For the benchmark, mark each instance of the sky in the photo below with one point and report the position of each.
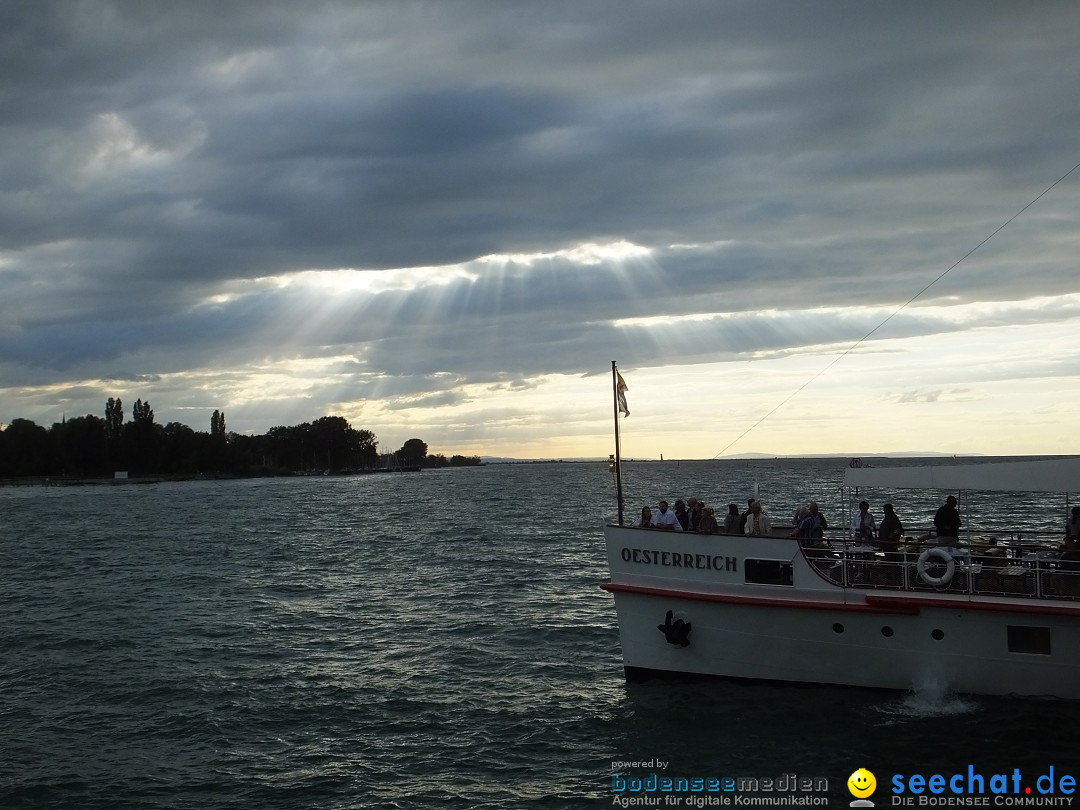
(445, 219)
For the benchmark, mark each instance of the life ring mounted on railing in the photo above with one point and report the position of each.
(941, 555)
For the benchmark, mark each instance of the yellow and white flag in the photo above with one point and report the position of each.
(621, 388)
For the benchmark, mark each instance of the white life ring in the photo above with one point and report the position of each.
(939, 554)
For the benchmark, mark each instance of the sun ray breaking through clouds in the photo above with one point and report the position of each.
(442, 225)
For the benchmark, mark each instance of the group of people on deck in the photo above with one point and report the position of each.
(693, 515)
(809, 524)
(888, 534)
(864, 526)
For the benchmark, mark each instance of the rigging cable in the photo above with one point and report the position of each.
(894, 313)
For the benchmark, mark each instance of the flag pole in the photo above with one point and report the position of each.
(618, 453)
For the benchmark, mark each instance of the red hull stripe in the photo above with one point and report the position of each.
(759, 601)
(977, 604)
(875, 603)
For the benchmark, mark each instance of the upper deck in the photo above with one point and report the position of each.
(839, 569)
(836, 569)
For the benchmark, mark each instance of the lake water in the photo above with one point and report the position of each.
(433, 639)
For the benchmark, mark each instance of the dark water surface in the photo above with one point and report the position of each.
(410, 641)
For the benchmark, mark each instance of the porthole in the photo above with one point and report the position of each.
(887, 631)
(838, 628)
(937, 635)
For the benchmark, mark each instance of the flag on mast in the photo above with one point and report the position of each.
(621, 388)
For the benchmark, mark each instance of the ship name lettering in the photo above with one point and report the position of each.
(672, 559)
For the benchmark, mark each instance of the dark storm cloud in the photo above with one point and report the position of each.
(818, 155)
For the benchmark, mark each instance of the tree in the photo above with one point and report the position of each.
(217, 457)
(141, 439)
(114, 418)
(283, 447)
(335, 443)
(180, 446)
(465, 461)
(27, 449)
(412, 453)
(82, 445)
(90, 445)
(114, 427)
(142, 414)
(367, 449)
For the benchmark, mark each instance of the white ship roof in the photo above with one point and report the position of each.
(1050, 475)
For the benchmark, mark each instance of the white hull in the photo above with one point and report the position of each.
(804, 628)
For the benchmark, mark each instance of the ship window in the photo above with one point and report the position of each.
(768, 572)
(1034, 640)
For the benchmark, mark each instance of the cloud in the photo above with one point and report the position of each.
(399, 211)
(937, 395)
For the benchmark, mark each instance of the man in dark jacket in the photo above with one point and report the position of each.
(947, 519)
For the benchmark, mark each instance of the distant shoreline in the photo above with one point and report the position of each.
(158, 478)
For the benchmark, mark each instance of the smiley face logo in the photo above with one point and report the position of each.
(861, 783)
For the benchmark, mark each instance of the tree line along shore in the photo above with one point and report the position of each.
(92, 447)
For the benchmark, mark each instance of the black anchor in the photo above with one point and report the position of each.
(675, 632)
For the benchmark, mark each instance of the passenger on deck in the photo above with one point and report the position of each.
(800, 513)
(812, 526)
(665, 519)
(681, 513)
(947, 520)
(757, 522)
(695, 515)
(708, 522)
(1070, 557)
(744, 515)
(890, 532)
(1068, 577)
(1072, 527)
(645, 521)
(731, 522)
(995, 552)
(863, 524)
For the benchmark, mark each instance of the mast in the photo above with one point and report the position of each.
(618, 453)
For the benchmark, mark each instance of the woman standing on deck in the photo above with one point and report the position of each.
(731, 522)
(1072, 527)
(890, 532)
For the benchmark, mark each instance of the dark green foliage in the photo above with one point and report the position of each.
(114, 418)
(465, 461)
(89, 446)
(217, 424)
(141, 414)
(27, 449)
(82, 445)
(412, 454)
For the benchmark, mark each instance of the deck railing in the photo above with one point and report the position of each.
(1028, 570)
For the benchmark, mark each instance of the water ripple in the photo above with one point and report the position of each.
(435, 639)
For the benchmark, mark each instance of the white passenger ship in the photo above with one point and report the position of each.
(784, 609)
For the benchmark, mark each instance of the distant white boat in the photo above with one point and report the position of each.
(976, 620)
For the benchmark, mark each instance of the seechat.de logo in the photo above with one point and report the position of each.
(862, 784)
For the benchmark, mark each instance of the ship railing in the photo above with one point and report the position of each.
(1028, 570)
